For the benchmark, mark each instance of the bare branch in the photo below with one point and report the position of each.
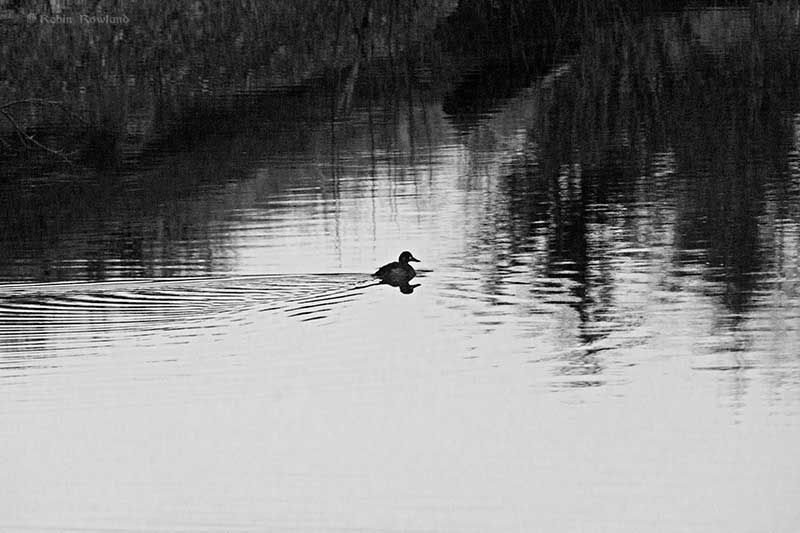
(26, 139)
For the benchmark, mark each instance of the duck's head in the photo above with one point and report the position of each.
(406, 256)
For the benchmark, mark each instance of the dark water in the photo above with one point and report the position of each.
(604, 336)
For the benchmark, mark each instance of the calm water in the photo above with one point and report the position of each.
(604, 335)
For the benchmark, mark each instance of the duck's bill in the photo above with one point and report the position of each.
(414, 259)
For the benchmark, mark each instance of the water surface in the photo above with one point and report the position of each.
(603, 337)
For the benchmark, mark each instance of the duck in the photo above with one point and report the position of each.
(398, 272)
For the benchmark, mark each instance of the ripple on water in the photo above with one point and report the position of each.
(53, 319)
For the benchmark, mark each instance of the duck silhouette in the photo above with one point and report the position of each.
(398, 273)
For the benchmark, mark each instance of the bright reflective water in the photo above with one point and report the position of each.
(604, 335)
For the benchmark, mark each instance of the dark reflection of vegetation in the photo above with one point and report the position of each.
(637, 91)
(713, 92)
(506, 45)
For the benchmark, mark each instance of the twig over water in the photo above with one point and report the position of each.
(28, 140)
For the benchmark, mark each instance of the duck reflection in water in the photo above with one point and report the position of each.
(399, 273)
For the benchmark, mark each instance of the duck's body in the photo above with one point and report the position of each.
(399, 272)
